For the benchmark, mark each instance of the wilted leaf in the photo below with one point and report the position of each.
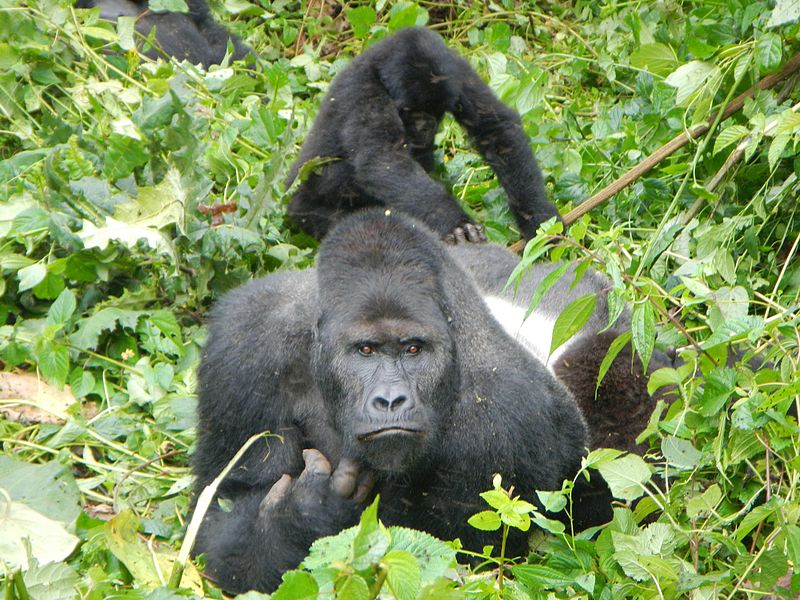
(26, 398)
(21, 525)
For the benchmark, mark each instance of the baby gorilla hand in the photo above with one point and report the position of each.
(319, 491)
(466, 232)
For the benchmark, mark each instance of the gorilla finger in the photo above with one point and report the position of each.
(316, 464)
(345, 477)
(450, 239)
(458, 233)
(365, 483)
(474, 233)
(278, 491)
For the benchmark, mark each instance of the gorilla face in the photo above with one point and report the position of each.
(382, 377)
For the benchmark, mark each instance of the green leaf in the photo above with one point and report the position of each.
(768, 52)
(353, 588)
(486, 520)
(572, 319)
(52, 581)
(31, 276)
(729, 135)
(296, 585)
(49, 488)
(89, 329)
(371, 540)
(545, 284)
(361, 19)
(656, 58)
(785, 12)
(704, 504)
(434, 556)
(552, 501)
(777, 147)
(689, 78)
(403, 576)
(613, 350)
(407, 14)
(643, 331)
(22, 527)
(497, 499)
(540, 577)
(178, 6)
(719, 386)
(680, 453)
(62, 309)
(54, 364)
(626, 476)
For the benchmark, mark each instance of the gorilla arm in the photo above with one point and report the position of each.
(374, 140)
(497, 132)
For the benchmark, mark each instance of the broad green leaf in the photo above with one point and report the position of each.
(361, 19)
(407, 14)
(777, 147)
(89, 329)
(296, 585)
(31, 276)
(657, 58)
(48, 488)
(178, 6)
(434, 556)
(626, 476)
(403, 576)
(689, 78)
(486, 520)
(541, 577)
(547, 282)
(680, 453)
(552, 501)
(718, 388)
(551, 525)
(126, 30)
(54, 364)
(53, 581)
(643, 331)
(371, 540)
(768, 52)
(62, 309)
(497, 499)
(572, 319)
(353, 588)
(704, 504)
(21, 526)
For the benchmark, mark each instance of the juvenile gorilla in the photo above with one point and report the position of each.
(378, 122)
(194, 36)
(383, 364)
(619, 410)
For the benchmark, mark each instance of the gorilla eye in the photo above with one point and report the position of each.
(414, 349)
(366, 350)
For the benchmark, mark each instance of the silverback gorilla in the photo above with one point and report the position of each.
(378, 122)
(616, 412)
(383, 371)
(194, 36)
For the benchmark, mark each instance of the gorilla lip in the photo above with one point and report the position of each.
(389, 431)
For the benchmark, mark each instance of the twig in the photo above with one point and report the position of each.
(200, 509)
(678, 142)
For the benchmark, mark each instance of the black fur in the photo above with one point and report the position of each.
(194, 36)
(386, 361)
(620, 409)
(378, 123)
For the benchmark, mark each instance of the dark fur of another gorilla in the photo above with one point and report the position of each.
(621, 408)
(383, 372)
(378, 121)
(194, 36)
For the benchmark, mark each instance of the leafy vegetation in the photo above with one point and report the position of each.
(135, 192)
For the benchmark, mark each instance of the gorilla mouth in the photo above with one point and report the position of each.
(385, 432)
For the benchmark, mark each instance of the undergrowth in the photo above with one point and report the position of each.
(135, 192)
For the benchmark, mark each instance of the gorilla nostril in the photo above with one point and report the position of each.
(381, 404)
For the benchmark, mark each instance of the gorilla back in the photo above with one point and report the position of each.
(378, 122)
(383, 364)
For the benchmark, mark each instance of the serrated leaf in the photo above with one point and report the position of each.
(178, 6)
(353, 588)
(545, 284)
(776, 148)
(296, 585)
(52, 581)
(62, 309)
(54, 365)
(497, 499)
(434, 556)
(31, 276)
(486, 520)
(403, 574)
(540, 577)
(625, 476)
(705, 503)
(718, 387)
(729, 135)
(643, 331)
(572, 319)
(552, 501)
(89, 329)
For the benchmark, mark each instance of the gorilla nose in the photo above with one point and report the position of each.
(379, 404)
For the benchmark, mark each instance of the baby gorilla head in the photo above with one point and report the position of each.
(384, 358)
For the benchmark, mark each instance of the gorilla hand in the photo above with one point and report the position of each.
(466, 231)
(319, 489)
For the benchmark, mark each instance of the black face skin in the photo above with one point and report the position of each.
(384, 373)
(379, 120)
(194, 36)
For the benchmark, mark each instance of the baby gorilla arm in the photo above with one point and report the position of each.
(266, 535)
